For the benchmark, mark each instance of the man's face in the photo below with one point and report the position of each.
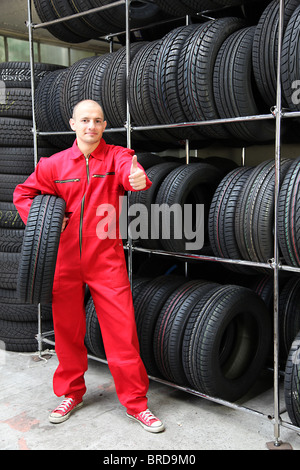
(88, 123)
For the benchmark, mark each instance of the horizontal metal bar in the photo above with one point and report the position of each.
(193, 256)
(213, 399)
(237, 119)
(77, 15)
(290, 426)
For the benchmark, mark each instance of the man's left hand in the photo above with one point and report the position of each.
(137, 177)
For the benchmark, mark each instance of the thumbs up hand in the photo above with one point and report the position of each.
(137, 177)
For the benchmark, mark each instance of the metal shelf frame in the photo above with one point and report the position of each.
(277, 113)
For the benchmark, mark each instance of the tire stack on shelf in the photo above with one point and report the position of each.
(18, 322)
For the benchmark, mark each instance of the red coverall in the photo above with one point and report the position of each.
(83, 258)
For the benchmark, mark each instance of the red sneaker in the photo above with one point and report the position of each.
(148, 421)
(64, 410)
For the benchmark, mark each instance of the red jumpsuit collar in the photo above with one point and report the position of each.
(97, 153)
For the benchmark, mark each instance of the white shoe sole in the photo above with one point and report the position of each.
(55, 418)
(147, 428)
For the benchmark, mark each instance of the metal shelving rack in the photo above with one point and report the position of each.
(277, 114)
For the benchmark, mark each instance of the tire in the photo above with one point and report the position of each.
(114, 91)
(39, 250)
(288, 216)
(255, 213)
(11, 240)
(195, 73)
(141, 109)
(170, 327)
(147, 305)
(16, 130)
(226, 342)
(234, 89)
(69, 95)
(18, 103)
(291, 383)
(9, 216)
(93, 337)
(8, 184)
(20, 160)
(290, 60)
(189, 184)
(9, 263)
(289, 317)
(15, 312)
(141, 14)
(163, 81)
(222, 216)
(20, 336)
(156, 174)
(47, 11)
(265, 49)
(18, 75)
(49, 114)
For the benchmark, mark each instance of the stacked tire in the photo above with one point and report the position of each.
(18, 321)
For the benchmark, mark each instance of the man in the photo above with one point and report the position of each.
(88, 175)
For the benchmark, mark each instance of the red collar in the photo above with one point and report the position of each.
(97, 153)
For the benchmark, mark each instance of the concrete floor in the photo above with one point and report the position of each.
(192, 423)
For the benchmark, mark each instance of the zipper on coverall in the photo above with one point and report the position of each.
(82, 203)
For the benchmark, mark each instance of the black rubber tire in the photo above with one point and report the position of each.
(265, 49)
(18, 103)
(70, 94)
(196, 70)
(11, 240)
(114, 91)
(15, 130)
(235, 91)
(222, 216)
(255, 212)
(48, 12)
(20, 160)
(93, 337)
(226, 342)
(23, 313)
(141, 109)
(8, 184)
(39, 250)
(147, 305)
(291, 382)
(156, 174)
(9, 263)
(170, 328)
(20, 336)
(163, 81)
(289, 315)
(288, 216)
(9, 216)
(189, 184)
(18, 75)
(290, 70)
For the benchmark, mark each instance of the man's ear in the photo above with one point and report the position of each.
(72, 124)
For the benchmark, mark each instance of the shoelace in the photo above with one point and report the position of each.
(65, 404)
(148, 416)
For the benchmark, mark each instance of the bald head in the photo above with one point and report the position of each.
(88, 105)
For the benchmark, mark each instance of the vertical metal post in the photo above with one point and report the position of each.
(276, 249)
(35, 144)
(128, 127)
